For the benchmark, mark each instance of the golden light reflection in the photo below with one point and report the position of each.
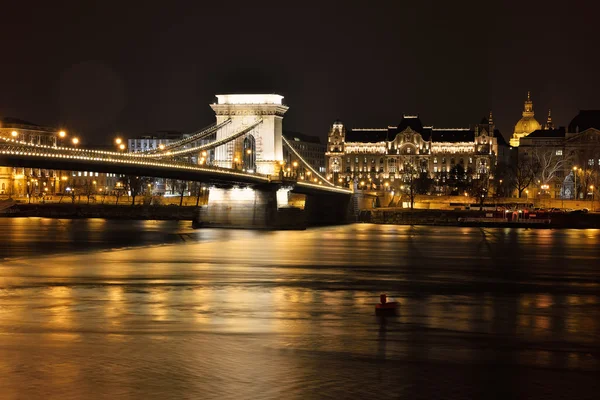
(116, 308)
(60, 308)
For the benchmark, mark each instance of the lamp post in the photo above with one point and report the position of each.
(592, 206)
(61, 137)
(75, 141)
(575, 182)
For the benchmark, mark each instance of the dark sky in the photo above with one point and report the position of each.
(98, 68)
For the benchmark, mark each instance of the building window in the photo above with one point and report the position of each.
(559, 152)
(435, 160)
(470, 160)
(434, 169)
(591, 162)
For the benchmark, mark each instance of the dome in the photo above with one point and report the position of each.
(526, 125)
(586, 119)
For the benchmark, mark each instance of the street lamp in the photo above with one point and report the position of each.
(592, 189)
(14, 134)
(575, 181)
(161, 146)
(62, 134)
(75, 141)
(122, 146)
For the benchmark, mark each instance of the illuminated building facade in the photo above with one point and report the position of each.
(153, 141)
(28, 181)
(388, 156)
(309, 147)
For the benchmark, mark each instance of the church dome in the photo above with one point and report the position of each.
(526, 125)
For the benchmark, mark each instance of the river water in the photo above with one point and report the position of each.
(144, 309)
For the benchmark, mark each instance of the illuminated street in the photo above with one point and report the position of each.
(145, 309)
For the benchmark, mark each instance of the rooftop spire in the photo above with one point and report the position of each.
(528, 111)
(549, 124)
(491, 118)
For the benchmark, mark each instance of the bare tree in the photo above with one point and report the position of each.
(87, 189)
(522, 173)
(549, 162)
(411, 181)
(480, 188)
(136, 185)
(182, 188)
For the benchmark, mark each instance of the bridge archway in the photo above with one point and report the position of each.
(249, 150)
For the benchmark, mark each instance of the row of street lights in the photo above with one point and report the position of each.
(61, 135)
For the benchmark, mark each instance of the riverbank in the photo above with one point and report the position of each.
(106, 211)
(476, 218)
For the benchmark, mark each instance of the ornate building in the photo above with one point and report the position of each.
(526, 124)
(567, 160)
(390, 156)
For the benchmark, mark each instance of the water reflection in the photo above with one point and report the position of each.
(226, 315)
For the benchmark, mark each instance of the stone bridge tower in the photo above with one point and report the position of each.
(260, 149)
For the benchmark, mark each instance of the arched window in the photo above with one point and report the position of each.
(249, 156)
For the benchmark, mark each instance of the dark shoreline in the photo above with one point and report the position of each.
(106, 211)
(473, 218)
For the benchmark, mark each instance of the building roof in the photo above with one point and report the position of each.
(15, 121)
(411, 121)
(548, 133)
(586, 119)
(500, 138)
(452, 135)
(367, 135)
(301, 137)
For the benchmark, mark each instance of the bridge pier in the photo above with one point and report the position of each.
(248, 208)
(270, 207)
(328, 209)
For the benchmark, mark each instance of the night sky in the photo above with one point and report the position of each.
(102, 68)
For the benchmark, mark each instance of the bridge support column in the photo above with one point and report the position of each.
(328, 209)
(249, 208)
